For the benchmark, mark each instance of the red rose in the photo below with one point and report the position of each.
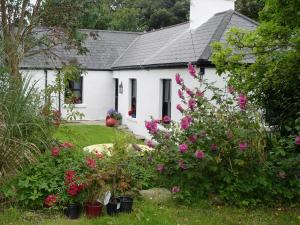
(69, 175)
(91, 163)
(55, 151)
(73, 190)
(67, 145)
(50, 200)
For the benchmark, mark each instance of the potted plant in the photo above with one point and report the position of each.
(113, 118)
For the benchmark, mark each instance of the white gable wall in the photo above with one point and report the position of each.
(98, 92)
(149, 93)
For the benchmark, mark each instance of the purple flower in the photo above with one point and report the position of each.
(297, 140)
(160, 168)
(179, 107)
(189, 92)
(150, 144)
(151, 126)
(192, 103)
(178, 79)
(193, 138)
(242, 101)
(199, 154)
(200, 93)
(183, 148)
(214, 147)
(175, 189)
(243, 145)
(180, 94)
(192, 70)
(167, 119)
(182, 165)
(185, 123)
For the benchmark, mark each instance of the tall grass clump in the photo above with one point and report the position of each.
(24, 131)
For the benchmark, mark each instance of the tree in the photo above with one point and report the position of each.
(35, 27)
(265, 63)
(249, 8)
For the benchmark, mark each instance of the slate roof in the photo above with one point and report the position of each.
(172, 46)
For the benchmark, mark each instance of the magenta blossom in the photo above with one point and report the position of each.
(243, 145)
(175, 189)
(192, 70)
(189, 92)
(185, 123)
(297, 140)
(214, 147)
(200, 93)
(182, 165)
(151, 126)
(179, 107)
(180, 94)
(192, 103)
(193, 138)
(199, 154)
(230, 89)
(183, 148)
(160, 168)
(242, 101)
(55, 152)
(178, 79)
(167, 119)
(150, 144)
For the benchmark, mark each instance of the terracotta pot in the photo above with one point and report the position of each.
(93, 210)
(111, 122)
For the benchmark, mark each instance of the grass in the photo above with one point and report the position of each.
(85, 135)
(147, 213)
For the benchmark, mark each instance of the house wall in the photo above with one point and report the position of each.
(98, 92)
(149, 93)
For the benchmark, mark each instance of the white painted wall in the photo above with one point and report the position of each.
(202, 10)
(98, 92)
(149, 93)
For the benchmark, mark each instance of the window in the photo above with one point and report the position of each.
(73, 93)
(166, 97)
(116, 94)
(133, 93)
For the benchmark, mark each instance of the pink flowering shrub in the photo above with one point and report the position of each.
(217, 147)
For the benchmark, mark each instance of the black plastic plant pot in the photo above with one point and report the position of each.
(113, 206)
(73, 211)
(126, 204)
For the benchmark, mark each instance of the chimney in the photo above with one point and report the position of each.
(202, 10)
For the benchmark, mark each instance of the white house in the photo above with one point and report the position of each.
(127, 69)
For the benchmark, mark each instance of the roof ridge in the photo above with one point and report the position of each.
(218, 33)
(168, 27)
(112, 31)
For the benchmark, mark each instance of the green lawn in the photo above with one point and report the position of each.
(168, 214)
(85, 135)
(146, 213)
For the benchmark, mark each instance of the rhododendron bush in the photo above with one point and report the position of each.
(219, 147)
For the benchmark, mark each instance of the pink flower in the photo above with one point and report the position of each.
(160, 168)
(151, 126)
(178, 79)
(99, 155)
(200, 154)
(180, 94)
(185, 123)
(55, 151)
(67, 145)
(243, 146)
(192, 103)
(167, 119)
(214, 147)
(230, 89)
(182, 165)
(90, 163)
(183, 148)
(242, 101)
(192, 70)
(179, 107)
(297, 140)
(200, 93)
(189, 92)
(193, 138)
(150, 144)
(175, 189)
(50, 200)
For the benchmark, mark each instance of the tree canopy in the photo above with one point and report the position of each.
(249, 8)
(273, 79)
